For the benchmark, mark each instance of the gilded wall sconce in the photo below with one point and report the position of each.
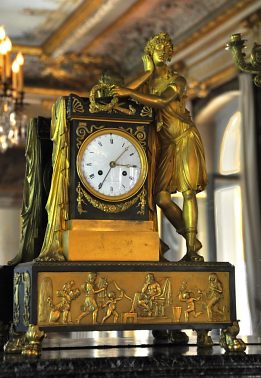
(253, 66)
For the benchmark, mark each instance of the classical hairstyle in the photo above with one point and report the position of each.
(160, 38)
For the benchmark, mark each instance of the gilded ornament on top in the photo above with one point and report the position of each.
(146, 111)
(77, 106)
(96, 106)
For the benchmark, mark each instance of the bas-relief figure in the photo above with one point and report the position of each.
(180, 164)
(150, 297)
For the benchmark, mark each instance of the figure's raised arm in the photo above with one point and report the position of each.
(142, 78)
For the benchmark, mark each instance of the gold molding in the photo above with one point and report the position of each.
(117, 24)
(213, 24)
(71, 24)
(52, 91)
(28, 50)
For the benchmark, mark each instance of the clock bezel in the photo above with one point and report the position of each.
(143, 158)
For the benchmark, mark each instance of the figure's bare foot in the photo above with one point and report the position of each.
(192, 256)
(198, 245)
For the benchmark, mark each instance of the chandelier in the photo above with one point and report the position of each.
(12, 120)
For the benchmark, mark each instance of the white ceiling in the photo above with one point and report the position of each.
(32, 22)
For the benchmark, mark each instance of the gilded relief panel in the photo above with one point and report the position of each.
(90, 298)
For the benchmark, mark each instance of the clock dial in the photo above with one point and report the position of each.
(112, 165)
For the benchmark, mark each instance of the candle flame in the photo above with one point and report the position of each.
(8, 44)
(2, 48)
(2, 33)
(15, 66)
(20, 59)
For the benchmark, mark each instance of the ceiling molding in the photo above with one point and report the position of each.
(241, 10)
(27, 49)
(134, 10)
(83, 12)
(88, 30)
(41, 91)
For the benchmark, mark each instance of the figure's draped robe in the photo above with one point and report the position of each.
(181, 162)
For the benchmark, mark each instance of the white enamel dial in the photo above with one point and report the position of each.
(112, 165)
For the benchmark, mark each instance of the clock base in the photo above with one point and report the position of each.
(108, 240)
(88, 296)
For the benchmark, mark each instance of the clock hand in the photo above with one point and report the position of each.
(112, 165)
(125, 149)
(126, 165)
(100, 185)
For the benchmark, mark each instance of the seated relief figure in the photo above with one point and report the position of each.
(180, 161)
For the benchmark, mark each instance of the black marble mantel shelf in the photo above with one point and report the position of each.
(118, 356)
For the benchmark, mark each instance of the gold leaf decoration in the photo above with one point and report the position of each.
(146, 111)
(108, 207)
(83, 131)
(77, 106)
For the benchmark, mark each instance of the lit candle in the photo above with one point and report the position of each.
(20, 61)
(3, 55)
(8, 47)
(15, 73)
(1, 63)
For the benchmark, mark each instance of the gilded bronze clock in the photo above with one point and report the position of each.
(109, 161)
(110, 216)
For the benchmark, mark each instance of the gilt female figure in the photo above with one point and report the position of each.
(180, 164)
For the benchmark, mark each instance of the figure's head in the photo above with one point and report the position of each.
(111, 295)
(160, 48)
(150, 278)
(212, 278)
(91, 277)
(186, 295)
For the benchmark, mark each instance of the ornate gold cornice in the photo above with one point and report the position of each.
(70, 25)
(213, 24)
(134, 9)
(28, 50)
(52, 92)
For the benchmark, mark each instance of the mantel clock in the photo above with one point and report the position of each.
(109, 190)
(110, 164)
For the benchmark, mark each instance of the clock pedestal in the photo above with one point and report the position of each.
(114, 150)
(107, 240)
(78, 296)
(101, 296)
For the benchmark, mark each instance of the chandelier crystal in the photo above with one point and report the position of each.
(12, 119)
